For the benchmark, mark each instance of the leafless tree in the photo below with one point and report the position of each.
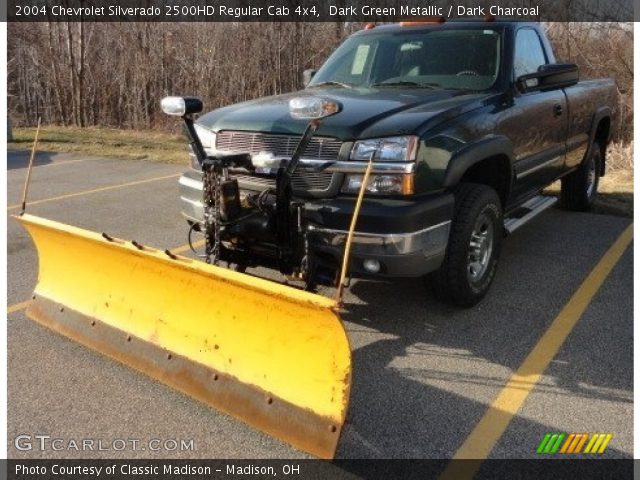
(114, 74)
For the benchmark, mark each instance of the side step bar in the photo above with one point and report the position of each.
(529, 210)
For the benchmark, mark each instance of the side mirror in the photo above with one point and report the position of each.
(307, 76)
(313, 108)
(549, 77)
(181, 106)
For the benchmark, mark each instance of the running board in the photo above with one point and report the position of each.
(528, 211)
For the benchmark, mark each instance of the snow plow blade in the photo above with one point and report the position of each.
(270, 355)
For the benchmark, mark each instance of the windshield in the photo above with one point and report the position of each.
(452, 59)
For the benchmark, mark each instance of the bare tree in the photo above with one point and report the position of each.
(114, 74)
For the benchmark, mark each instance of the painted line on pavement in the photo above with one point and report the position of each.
(481, 441)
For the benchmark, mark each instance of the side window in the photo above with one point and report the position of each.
(529, 53)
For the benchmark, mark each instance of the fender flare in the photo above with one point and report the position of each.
(599, 115)
(471, 154)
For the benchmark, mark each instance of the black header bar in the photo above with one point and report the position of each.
(538, 469)
(316, 10)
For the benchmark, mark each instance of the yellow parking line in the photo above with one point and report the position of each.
(178, 250)
(185, 248)
(95, 190)
(493, 424)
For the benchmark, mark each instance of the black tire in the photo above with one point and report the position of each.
(456, 281)
(580, 188)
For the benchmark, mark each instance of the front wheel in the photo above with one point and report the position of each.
(471, 260)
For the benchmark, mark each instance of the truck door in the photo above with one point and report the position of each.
(536, 122)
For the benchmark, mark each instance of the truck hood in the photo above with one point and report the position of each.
(366, 112)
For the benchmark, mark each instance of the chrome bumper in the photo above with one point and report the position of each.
(411, 254)
(191, 197)
(428, 240)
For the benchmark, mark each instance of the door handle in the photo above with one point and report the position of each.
(557, 110)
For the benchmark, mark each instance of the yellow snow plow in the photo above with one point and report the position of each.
(271, 355)
(274, 356)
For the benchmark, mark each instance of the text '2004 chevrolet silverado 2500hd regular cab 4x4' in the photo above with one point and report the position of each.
(466, 123)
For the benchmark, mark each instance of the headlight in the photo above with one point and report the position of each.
(207, 137)
(385, 184)
(208, 140)
(389, 149)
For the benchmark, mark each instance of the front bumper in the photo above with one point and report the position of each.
(408, 238)
(397, 254)
(190, 185)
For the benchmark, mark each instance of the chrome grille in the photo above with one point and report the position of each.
(304, 180)
(257, 182)
(322, 148)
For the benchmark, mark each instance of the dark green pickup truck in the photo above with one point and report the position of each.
(468, 122)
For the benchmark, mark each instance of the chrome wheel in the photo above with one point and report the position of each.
(480, 248)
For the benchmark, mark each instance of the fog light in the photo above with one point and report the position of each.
(371, 265)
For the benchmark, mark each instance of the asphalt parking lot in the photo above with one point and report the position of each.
(424, 374)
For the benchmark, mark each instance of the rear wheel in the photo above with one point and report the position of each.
(580, 188)
(471, 260)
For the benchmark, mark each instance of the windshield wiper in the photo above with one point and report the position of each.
(406, 83)
(332, 83)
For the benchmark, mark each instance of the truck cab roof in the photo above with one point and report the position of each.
(450, 24)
